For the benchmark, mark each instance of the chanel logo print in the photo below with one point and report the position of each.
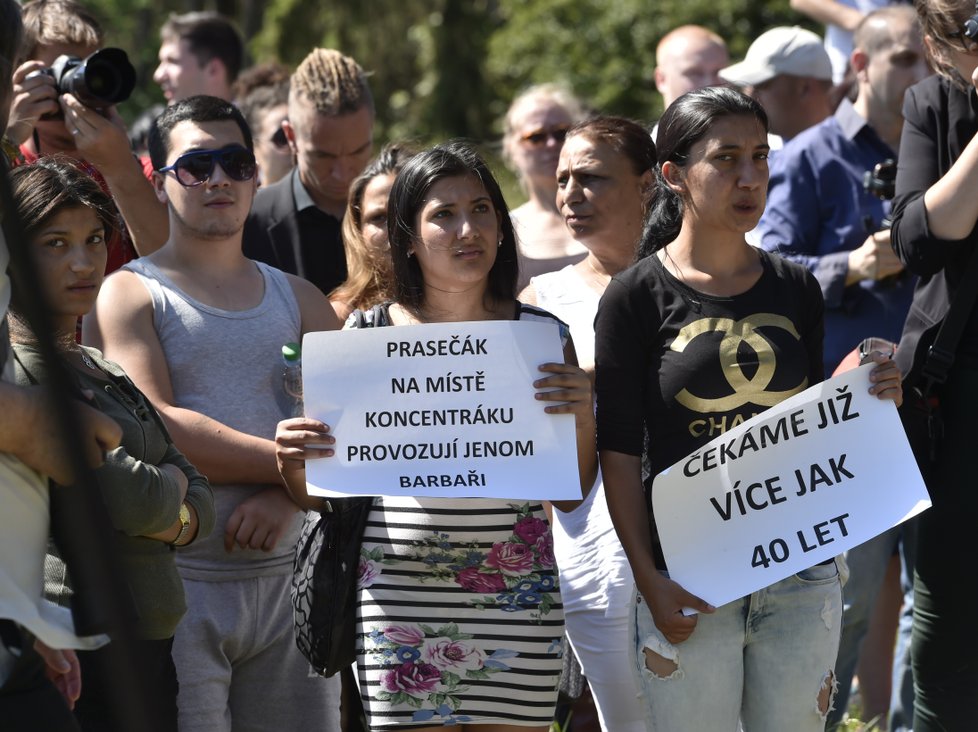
(745, 390)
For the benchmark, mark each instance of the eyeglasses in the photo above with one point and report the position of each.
(539, 138)
(279, 139)
(196, 167)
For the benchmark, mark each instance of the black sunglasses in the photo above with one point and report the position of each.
(540, 137)
(196, 167)
(279, 139)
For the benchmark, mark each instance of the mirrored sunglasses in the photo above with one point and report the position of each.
(539, 138)
(194, 168)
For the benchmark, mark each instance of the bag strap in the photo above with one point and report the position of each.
(940, 355)
(378, 320)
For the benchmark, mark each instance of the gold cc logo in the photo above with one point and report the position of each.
(753, 390)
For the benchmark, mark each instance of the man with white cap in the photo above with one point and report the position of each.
(821, 213)
(788, 71)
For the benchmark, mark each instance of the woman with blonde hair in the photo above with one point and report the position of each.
(535, 127)
(368, 259)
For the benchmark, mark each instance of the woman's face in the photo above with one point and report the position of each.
(70, 252)
(724, 182)
(539, 128)
(599, 194)
(373, 216)
(458, 235)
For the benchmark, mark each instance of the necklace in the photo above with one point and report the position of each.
(602, 278)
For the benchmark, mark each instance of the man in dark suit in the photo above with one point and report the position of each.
(295, 223)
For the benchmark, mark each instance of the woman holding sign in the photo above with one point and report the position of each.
(703, 333)
(604, 174)
(935, 234)
(459, 612)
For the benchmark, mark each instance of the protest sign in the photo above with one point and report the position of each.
(819, 473)
(442, 409)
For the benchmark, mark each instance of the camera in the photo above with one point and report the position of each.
(881, 180)
(970, 28)
(104, 78)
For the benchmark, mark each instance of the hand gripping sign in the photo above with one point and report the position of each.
(442, 409)
(815, 475)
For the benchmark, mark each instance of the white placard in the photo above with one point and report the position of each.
(806, 480)
(442, 409)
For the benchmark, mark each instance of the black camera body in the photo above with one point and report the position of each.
(881, 180)
(970, 27)
(101, 80)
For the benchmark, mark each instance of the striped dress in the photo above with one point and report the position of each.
(459, 616)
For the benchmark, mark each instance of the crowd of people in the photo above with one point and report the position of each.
(816, 193)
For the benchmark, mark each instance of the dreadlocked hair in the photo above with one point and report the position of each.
(333, 83)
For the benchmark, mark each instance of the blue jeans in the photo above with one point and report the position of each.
(867, 566)
(765, 659)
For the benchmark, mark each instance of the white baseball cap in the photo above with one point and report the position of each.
(782, 50)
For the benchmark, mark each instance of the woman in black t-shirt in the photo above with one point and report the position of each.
(702, 334)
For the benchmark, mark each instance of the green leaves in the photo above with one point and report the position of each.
(443, 69)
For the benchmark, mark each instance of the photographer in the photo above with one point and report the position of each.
(42, 123)
(934, 233)
(820, 214)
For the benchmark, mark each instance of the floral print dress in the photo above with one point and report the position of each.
(459, 616)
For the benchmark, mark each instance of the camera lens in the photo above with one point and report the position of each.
(106, 77)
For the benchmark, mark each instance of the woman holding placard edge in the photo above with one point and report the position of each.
(766, 659)
(459, 612)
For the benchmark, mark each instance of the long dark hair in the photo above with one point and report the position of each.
(408, 196)
(685, 122)
(48, 186)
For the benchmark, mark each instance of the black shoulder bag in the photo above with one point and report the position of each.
(324, 578)
(921, 410)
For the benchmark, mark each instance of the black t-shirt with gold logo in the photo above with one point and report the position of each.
(687, 367)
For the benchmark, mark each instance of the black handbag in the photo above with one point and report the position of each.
(921, 409)
(325, 574)
(324, 583)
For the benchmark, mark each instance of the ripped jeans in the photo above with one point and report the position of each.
(766, 660)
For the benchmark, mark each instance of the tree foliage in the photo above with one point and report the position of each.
(443, 68)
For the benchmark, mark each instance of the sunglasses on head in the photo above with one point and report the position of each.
(196, 167)
(538, 138)
(279, 139)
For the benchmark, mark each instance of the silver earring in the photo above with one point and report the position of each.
(410, 253)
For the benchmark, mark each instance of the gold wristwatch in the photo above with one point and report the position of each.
(184, 526)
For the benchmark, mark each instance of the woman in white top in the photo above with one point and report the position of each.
(604, 171)
(535, 127)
